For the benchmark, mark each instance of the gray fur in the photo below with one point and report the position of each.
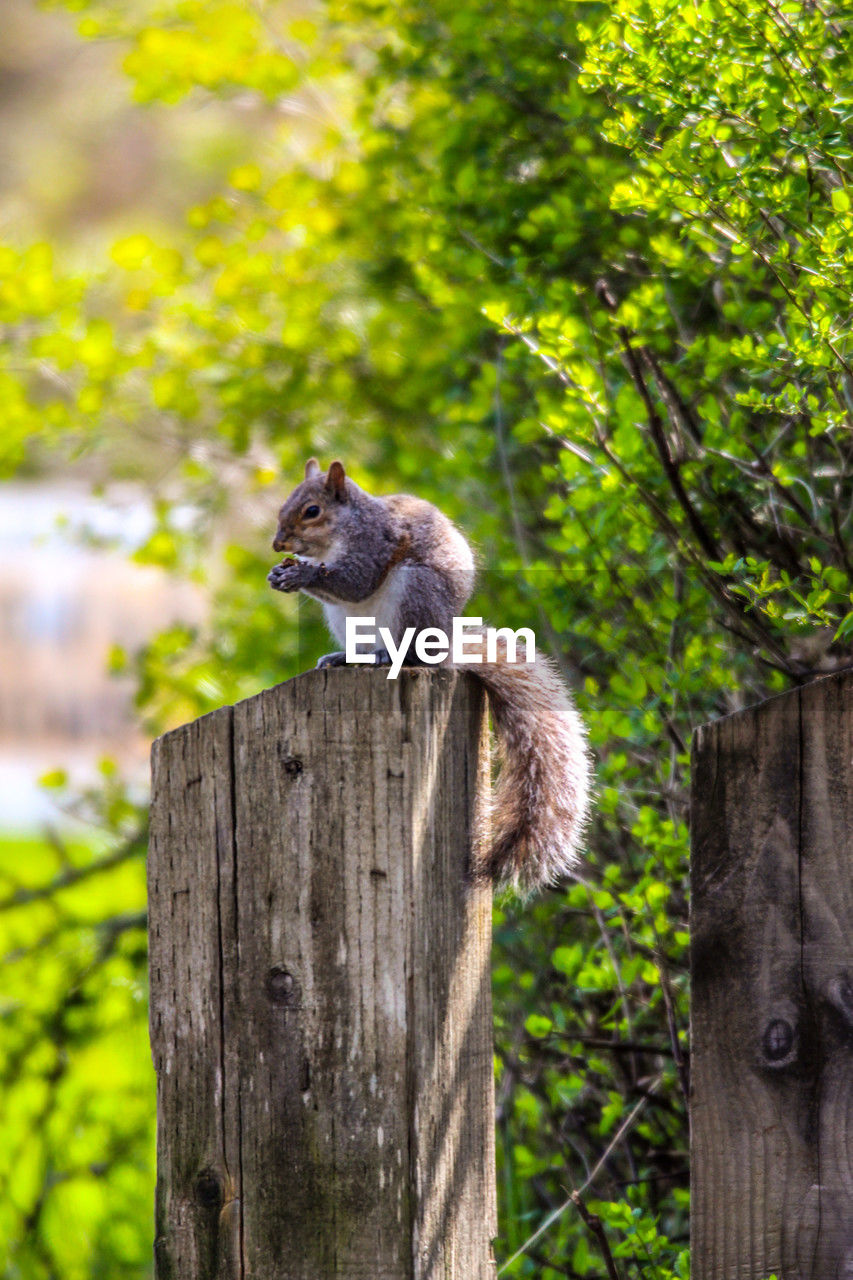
(405, 561)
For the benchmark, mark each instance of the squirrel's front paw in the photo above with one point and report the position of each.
(287, 576)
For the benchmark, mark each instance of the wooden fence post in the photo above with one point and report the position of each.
(772, 968)
(320, 987)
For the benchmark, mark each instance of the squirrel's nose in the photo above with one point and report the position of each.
(280, 543)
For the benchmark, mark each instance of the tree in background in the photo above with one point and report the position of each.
(581, 276)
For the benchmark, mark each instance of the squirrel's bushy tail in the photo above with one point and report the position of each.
(540, 805)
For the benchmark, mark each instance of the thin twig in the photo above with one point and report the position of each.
(596, 1226)
(682, 1065)
(626, 1124)
(74, 875)
(633, 361)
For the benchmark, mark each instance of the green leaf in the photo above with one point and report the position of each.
(538, 1025)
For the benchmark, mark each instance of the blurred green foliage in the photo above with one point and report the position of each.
(75, 1111)
(580, 275)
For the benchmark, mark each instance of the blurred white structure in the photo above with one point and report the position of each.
(62, 607)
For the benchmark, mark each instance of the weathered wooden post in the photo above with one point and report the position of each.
(772, 964)
(320, 989)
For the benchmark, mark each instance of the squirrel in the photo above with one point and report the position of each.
(401, 561)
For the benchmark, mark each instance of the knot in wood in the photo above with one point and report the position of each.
(210, 1189)
(778, 1041)
(292, 766)
(282, 988)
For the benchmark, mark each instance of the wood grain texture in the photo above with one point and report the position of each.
(772, 974)
(320, 997)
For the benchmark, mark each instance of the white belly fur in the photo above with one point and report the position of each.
(383, 605)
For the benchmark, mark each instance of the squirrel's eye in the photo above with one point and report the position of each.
(310, 512)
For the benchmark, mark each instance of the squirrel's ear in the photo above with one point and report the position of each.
(336, 481)
(312, 468)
